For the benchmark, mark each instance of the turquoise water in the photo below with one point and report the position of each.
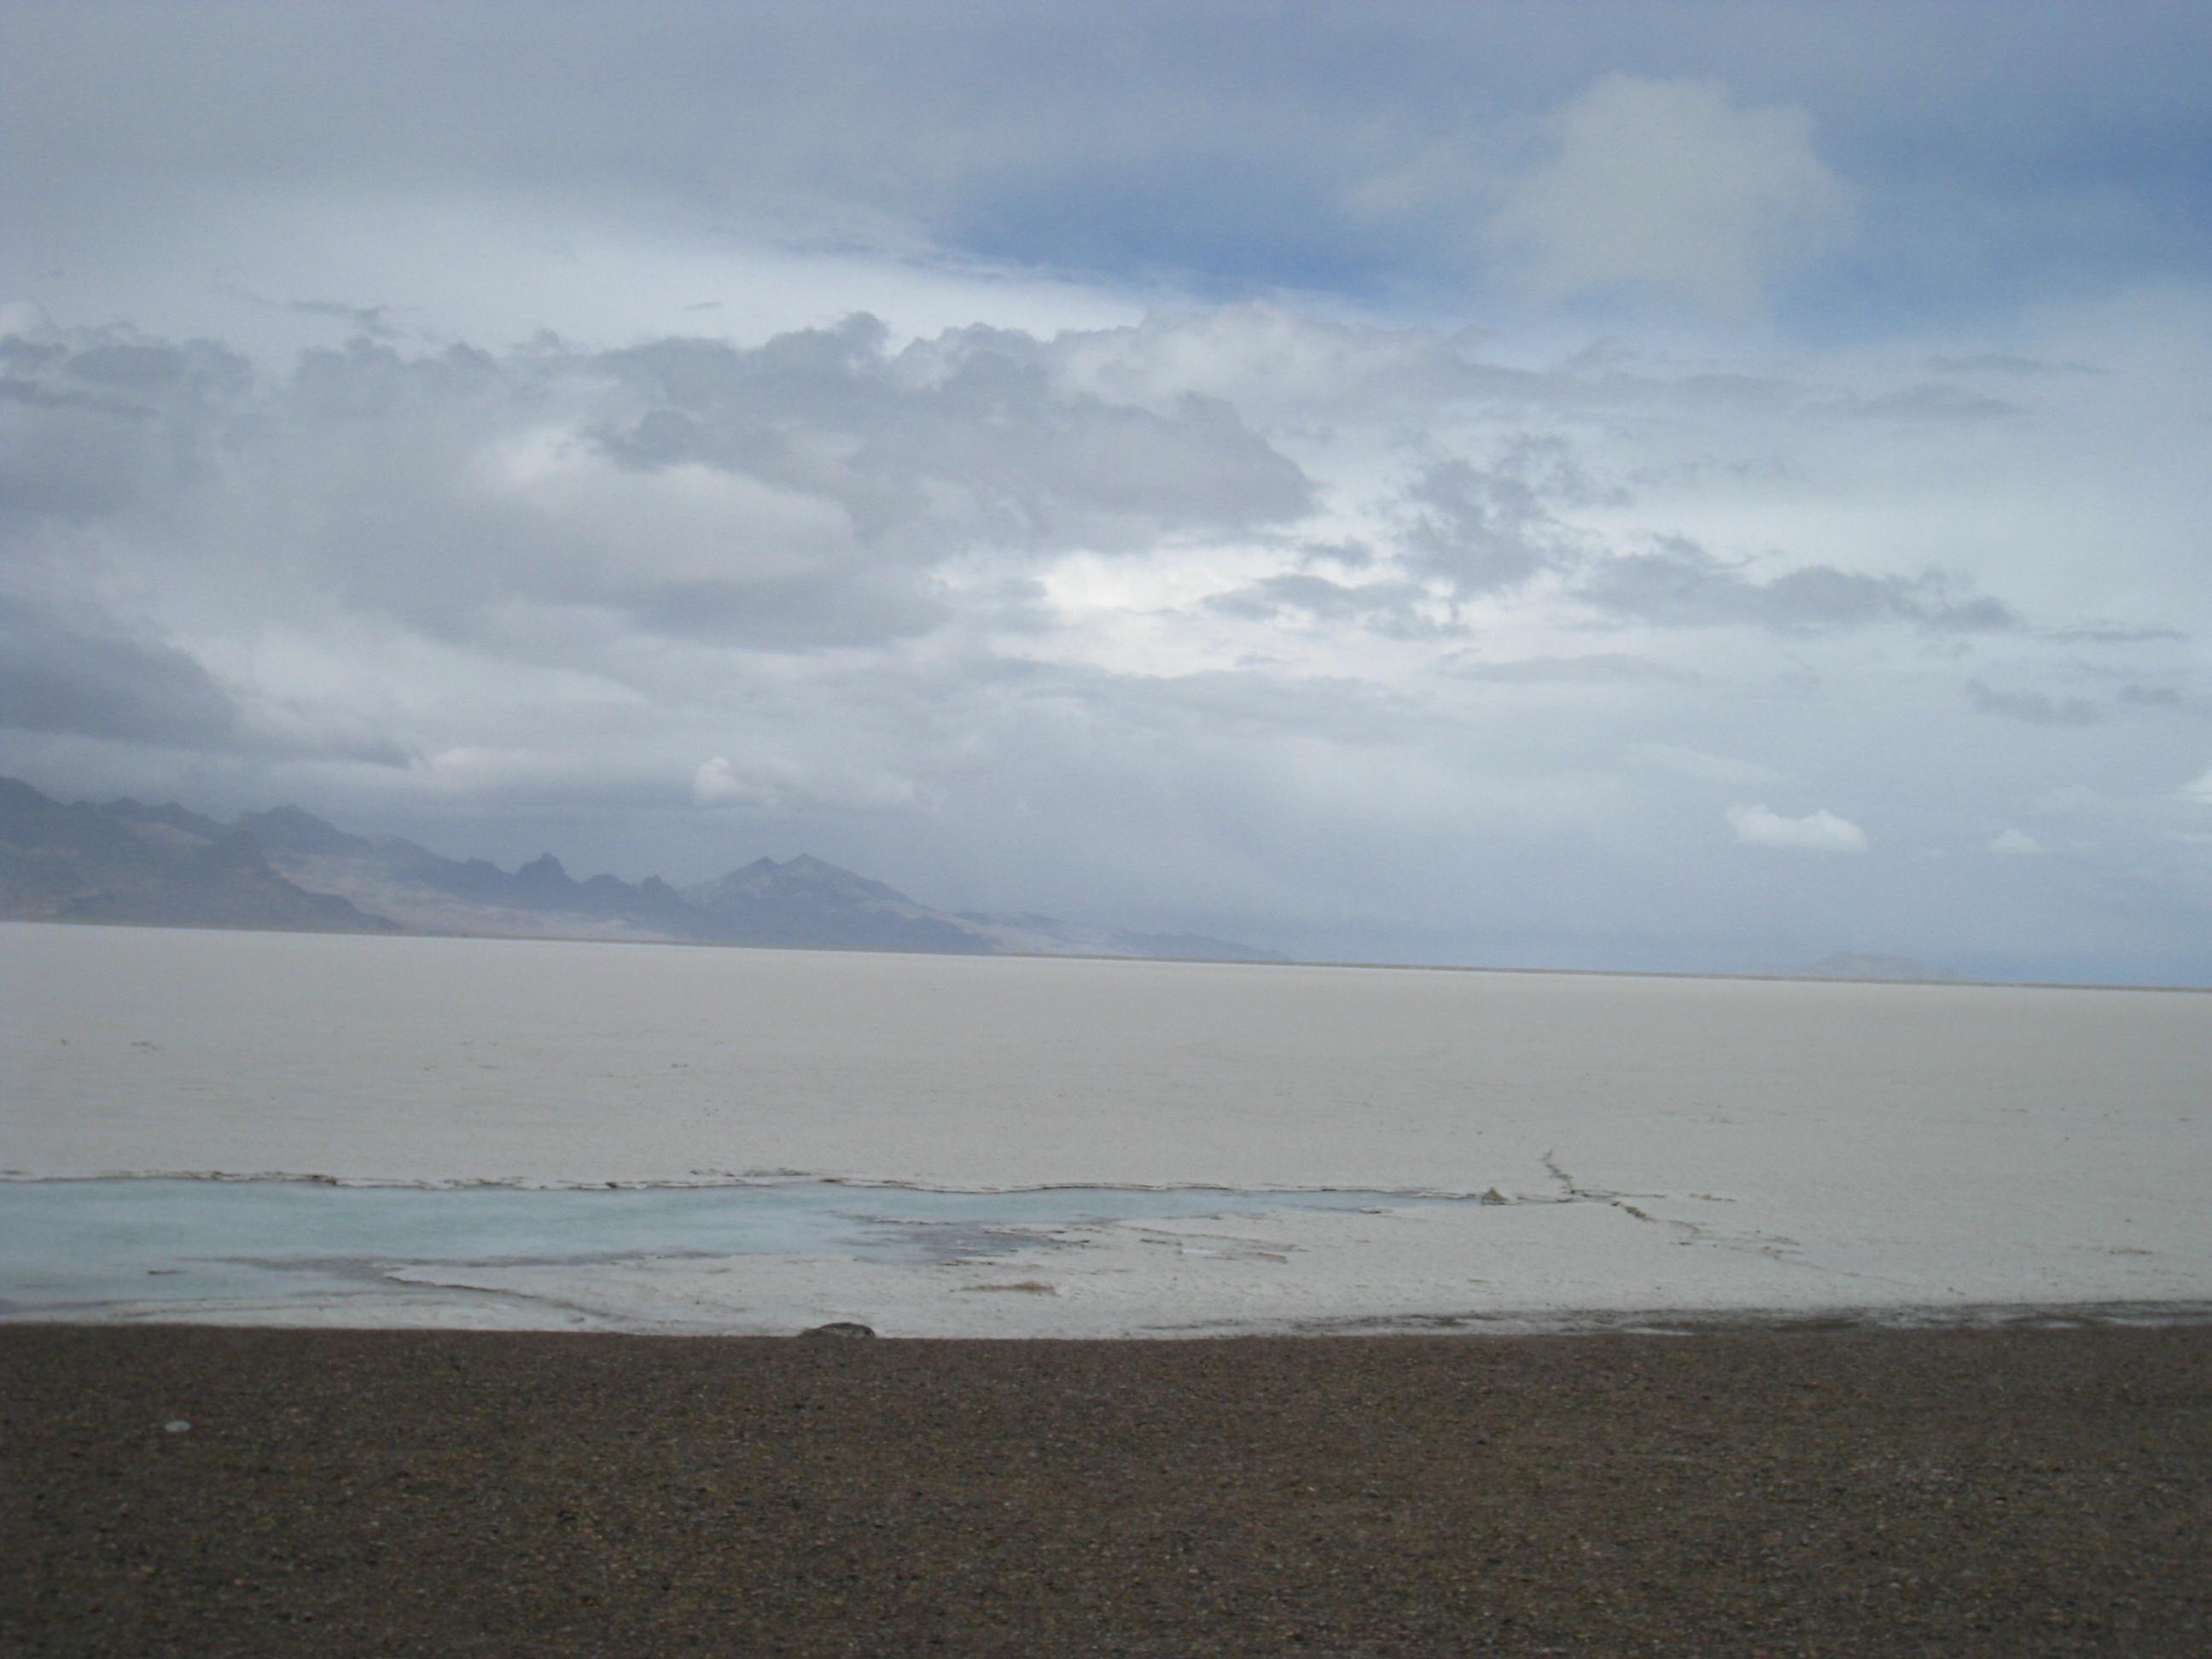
(75, 1248)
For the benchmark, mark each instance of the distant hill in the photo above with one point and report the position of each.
(129, 861)
(804, 901)
(163, 866)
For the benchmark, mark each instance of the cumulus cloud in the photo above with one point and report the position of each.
(973, 422)
(1283, 364)
(2016, 842)
(1479, 529)
(804, 494)
(1682, 584)
(1820, 831)
(1670, 185)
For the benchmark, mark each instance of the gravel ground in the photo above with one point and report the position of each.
(1841, 1491)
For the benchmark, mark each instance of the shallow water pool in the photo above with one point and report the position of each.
(76, 1248)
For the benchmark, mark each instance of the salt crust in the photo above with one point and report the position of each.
(1660, 1143)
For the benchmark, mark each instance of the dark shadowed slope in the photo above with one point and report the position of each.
(158, 864)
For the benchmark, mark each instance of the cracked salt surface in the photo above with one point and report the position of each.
(293, 1249)
(1175, 1148)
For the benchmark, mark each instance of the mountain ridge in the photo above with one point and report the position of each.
(161, 863)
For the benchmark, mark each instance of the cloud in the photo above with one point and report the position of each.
(1285, 364)
(2032, 707)
(1820, 832)
(1926, 401)
(1709, 767)
(1214, 518)
(371, 321)
(2111, 634)
(1220, 140)
(1402, 609)
(1241, 614)
(2008, 363)
(773, 784)
(805, 494)
(974, 424)
(93, 420)
(787, 613)
(1668, 184)
(1482, 530)
(1683, 586)
(2152, 696)
(57, 678)
(1590, 668)
(2014, 842)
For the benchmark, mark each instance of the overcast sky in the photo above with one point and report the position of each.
(1687, 486)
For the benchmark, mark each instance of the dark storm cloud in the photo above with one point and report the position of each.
(1682, 586)
(57, 678)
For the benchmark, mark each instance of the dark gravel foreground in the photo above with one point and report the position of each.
(1838, 1491)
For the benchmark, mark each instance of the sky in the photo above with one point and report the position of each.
(1697, 487)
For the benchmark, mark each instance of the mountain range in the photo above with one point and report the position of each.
(127, 862)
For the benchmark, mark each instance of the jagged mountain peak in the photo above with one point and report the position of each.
(286, 867)
(804, 873)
